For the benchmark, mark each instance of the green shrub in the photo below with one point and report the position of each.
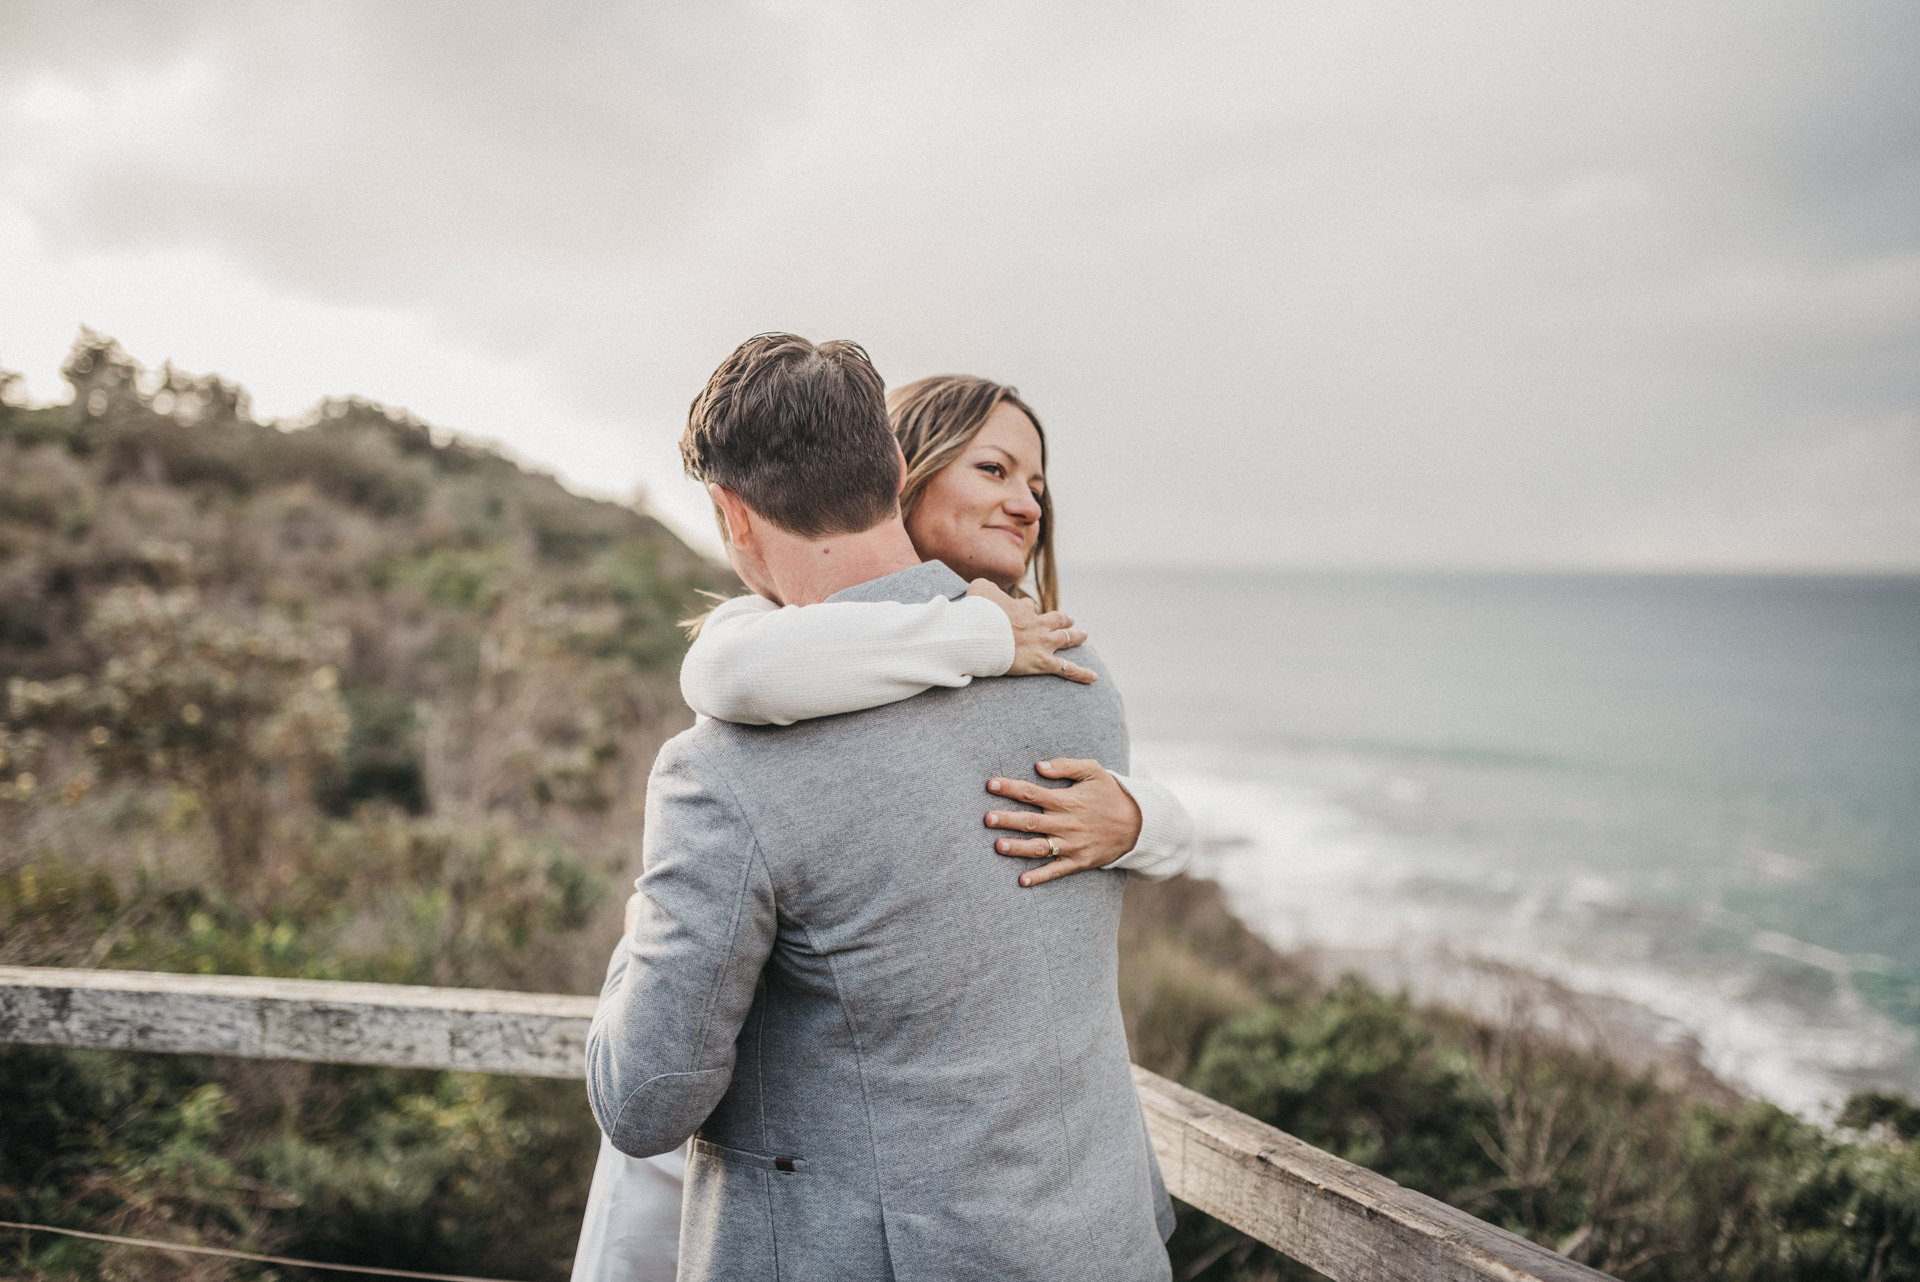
(1358, 1074)
(382, 759)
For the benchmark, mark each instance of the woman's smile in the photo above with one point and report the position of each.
(1018, 535)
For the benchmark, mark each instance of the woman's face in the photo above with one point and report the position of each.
(981, 513)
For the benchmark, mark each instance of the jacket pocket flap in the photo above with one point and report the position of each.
(742, 1157)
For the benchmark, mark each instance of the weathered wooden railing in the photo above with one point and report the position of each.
(1344, 1220)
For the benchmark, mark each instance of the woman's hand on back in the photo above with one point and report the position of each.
(1090, 824)
(1036, 636)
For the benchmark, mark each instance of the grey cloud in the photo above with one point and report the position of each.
(367, 149)
(1495, 283)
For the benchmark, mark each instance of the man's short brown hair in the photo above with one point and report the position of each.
(800, 433)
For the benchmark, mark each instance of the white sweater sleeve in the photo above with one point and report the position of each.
(1165, 846)
(757, 664)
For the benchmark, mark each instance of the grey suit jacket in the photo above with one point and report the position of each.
(900, 1063)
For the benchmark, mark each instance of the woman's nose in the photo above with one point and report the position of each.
(1023, 507)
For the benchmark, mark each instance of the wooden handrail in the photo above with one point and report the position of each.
(474, 1030)
(1344, 1220)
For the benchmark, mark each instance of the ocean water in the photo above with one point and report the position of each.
(1694, 797)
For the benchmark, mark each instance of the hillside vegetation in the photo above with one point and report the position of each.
(352, 700)
(345, 701)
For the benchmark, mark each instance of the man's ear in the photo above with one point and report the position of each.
(736, 518)
(740, 525)
(901, 455)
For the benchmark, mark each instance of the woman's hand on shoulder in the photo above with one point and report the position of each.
(1037, 636)
(1088, 825)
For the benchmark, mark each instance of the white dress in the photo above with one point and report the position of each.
(757, 663)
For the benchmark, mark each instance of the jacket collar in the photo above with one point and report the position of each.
(922, 582)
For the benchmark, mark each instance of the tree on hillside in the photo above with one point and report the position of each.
(238, 707)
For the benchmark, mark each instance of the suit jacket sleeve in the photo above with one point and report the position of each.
(660, 1051)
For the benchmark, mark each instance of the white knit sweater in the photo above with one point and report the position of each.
(756, 663)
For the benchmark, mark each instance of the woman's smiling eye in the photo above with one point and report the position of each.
(993, 469)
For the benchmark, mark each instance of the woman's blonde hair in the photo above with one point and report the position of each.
(936, 418)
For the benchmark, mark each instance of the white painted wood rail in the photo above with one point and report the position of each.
(1344, 1220)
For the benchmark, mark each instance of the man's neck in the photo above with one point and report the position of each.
(808, 571)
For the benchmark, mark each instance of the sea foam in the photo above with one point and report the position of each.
(1415, 906)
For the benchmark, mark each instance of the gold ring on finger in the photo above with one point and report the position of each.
(1053, 847)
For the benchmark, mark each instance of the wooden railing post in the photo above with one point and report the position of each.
(1344, 1220)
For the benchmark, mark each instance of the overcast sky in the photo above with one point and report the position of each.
(1493, 283)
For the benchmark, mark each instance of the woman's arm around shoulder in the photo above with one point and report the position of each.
(757, 663)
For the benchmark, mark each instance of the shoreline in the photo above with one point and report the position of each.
(1482, 989)
(1318, 871)
(1504, 995)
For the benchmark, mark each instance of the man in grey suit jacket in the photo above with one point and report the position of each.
(899, 1063)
